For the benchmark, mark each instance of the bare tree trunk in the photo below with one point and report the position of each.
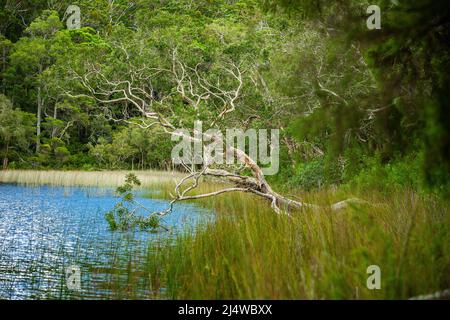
(291, 149)
(5, 158)
(39, 120)
(39, 113)
(55, 114)
(3, 68)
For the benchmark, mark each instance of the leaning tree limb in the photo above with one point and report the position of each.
(135, 88)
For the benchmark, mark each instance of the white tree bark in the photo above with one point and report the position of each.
(196, 91)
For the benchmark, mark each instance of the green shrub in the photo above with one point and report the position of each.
(123, 216)
(405, 172)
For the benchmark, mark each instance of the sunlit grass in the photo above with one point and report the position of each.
(84, 178)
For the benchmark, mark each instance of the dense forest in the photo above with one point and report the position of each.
(353, 105)
(98, 96)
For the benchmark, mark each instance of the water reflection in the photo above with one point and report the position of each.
(44, 229)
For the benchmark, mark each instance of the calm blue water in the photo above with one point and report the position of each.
(43, 230)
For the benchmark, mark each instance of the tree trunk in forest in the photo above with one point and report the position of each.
(55, 114)
(40, 103)
(38, 121)
(4, 69)
(5, 158)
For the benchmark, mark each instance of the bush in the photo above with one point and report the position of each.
(403, 172)
(316, 174)
(123, 217)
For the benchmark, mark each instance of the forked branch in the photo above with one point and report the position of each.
(197, 91)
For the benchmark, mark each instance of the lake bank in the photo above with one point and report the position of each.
(85, 178)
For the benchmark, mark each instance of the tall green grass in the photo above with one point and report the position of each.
(251, 253)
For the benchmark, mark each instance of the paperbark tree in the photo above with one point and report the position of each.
(198, 92)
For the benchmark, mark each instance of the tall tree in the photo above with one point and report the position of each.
(29, 58)
(16, 129)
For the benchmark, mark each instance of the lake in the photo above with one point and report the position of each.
(45, 230)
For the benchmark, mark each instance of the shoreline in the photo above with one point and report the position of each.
(80, 178)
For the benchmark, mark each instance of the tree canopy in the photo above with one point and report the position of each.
(349, 101)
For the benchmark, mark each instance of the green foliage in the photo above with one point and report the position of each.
(416, 56)
(405, 172)
(123, 217)
(367, 109)
(133, 148)
(316, 174)
(16, 131)
(343, 95)
(395, 101)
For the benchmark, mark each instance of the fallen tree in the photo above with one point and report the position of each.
(220, 98)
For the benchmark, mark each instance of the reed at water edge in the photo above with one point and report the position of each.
(85, 178)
